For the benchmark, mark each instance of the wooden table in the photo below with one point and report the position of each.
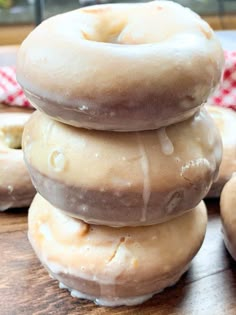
(209, 287)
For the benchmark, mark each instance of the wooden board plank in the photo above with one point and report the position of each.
(13, 220)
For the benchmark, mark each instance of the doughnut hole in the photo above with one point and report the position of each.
(122, 26)
(11, 136)
(105, 30)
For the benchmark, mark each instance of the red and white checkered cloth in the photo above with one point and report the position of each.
(225, 95)
(12, 94)
(10, 91)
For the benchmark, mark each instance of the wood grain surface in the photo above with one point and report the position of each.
(209, 287)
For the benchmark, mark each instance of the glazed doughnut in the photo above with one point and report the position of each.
(121, 67)
(122, 179)
(225, 120)
(228, 215)
(16, 189)
(114, 266)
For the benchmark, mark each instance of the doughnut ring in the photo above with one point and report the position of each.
(129, 67)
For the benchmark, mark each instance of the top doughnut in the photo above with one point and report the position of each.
(121, 67)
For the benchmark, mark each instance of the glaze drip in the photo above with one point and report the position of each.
(56, 160)
(108, 302)
(165, 142)
(146, 178)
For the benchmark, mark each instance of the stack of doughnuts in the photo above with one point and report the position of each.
(120, 150)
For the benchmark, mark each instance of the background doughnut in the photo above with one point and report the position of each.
(225, 120)
(228, 215)
(16, 189)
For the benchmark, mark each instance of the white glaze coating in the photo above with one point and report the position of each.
(106, 301)
(114, 302)
(122, 179)
(113, 265)
(56, 160)
(171, 69)
(11, 128)
(228, 215)
(6, 205)
(166, 144)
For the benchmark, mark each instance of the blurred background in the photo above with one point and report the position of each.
(18, 17)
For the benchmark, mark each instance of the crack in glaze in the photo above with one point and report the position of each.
(122, 240)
